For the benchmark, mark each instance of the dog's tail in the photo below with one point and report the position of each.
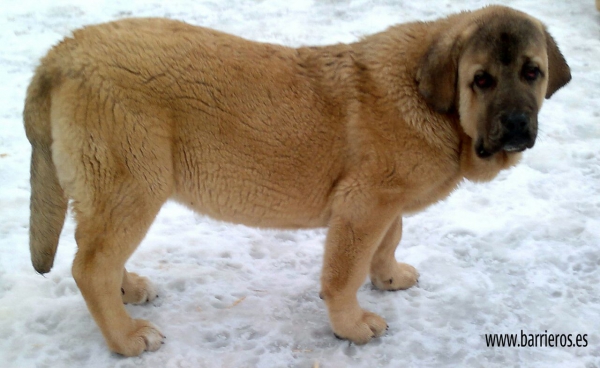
(48, 201)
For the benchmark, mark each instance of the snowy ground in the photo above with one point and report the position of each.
(520, 253)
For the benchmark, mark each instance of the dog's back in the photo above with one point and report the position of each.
(169, 90)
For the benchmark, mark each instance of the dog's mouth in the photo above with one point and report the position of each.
(507, 144)
(512, 133)
(516, 147)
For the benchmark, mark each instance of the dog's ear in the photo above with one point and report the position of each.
(558, 70)
(437, 74)
(438, 70)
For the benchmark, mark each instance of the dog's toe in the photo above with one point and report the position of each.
(138, 290)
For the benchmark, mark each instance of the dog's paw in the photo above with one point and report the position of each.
(398, 277)
(143, 336)
(151, 335)
(359, 327)
(137, 290)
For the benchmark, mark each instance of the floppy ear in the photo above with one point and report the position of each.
(558, 70)
(438, 71)
(437, 74)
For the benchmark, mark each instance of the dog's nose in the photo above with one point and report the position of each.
(517, 136)
(516, 123)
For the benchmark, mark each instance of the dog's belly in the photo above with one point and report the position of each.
(272, 174)
(256, 203)
(257, 192)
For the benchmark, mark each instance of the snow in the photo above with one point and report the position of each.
(519, 253)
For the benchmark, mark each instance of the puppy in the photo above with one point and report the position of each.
(125, 115)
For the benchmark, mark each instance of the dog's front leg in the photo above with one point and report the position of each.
(136, 289)
(386, 272)
(355, 231)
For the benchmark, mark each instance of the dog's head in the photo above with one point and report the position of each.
(494, 66)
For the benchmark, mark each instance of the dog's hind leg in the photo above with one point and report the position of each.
(117, 168)
(106, 238)
(386, 273)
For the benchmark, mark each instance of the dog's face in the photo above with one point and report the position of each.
(496, 71)
(502, 81)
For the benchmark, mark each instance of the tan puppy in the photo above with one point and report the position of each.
(125, 115)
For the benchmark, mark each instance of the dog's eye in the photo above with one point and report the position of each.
(531, 73)
(483, 80)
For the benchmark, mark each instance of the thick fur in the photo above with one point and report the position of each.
(126, 115)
